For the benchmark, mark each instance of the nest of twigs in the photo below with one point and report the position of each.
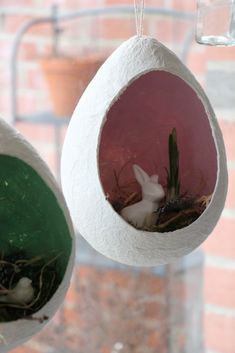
(179, 213)
(170, 216)
(41, 270)
(123, 195)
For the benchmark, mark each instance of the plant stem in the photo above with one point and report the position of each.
(173, 182)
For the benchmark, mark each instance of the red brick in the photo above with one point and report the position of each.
(43, 139)
(222, 241)
(71, 316)
(181, 31)
(72, 295)
(219, 333)
(119, 278)
(12, 3)
(115, 28)
(21, 3)
(50, 160)
(29, 51)
(39, 132)
(74, 341)
(168, 30)
(165, 29)
(153, 283)
(14, 22)
(43, 29)
(159, 343)
(219, 287)
(197, 62)
(106, 349)
(184, 5)
(154, 338)
(228, 130)
(216, 54)
(152, 310)
(84, 271)
(24, 349)
(230, 201)
(122, 279)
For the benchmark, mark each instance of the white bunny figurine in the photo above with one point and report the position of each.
(22, 293)
(141, 214)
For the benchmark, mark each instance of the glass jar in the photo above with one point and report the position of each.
(215, 22)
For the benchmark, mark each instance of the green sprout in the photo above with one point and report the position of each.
(173, 182)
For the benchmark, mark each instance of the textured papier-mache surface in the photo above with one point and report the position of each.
(15, 333)
(94, 217)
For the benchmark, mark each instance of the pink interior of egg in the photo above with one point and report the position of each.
(137, 130)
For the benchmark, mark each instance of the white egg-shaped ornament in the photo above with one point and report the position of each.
(36, 241)
(143, 163)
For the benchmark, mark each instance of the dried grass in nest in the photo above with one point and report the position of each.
(123, 195)
(186, 211)
(45, 280)
(189, 208)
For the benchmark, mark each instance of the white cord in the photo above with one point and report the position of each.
(139, 16)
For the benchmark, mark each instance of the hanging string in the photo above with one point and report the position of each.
(139, 16)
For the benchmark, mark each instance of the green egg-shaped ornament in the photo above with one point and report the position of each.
(36, 240)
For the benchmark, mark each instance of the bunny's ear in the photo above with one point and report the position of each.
(140, 174)
(154, 179)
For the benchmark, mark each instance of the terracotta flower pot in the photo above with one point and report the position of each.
(67, 79)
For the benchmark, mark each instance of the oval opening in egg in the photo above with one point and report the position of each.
(157, 155)
(35, 241)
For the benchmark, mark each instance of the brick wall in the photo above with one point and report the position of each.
(214, 68)
(219, 272)
(102, 34)
(125, 310)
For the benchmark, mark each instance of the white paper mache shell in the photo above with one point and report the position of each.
(15, 333)
(92, 214)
